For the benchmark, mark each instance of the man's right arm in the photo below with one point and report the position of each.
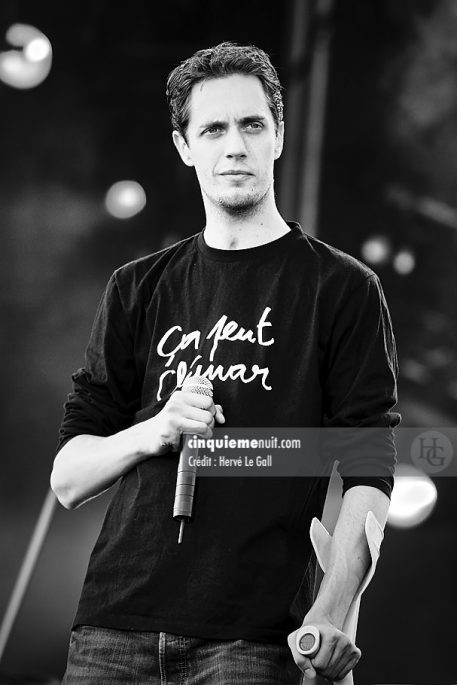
(87, 465)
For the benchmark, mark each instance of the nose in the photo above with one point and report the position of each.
(235, 146)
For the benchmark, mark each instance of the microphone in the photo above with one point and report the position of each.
(185, 481)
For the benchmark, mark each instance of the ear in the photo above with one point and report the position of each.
(182, 148)
(279, 140)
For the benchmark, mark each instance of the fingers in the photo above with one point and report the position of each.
(202, 428)
(324, 659)
(198, 409)
(204, 403)
(344, 664)
(308, 669)
(337, 655)
(193, 399)
(190, 413)
(219, 415)
(205, 416)
(302, 662)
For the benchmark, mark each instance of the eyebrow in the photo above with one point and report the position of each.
(244, 120)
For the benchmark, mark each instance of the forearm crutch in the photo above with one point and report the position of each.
(321, 540)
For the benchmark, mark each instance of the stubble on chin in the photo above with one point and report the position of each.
(241, 205)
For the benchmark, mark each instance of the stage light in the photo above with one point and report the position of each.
(376, 250)
(125, 199)
(413, 497)
(28, 66)
(404, 262)
(37, 50)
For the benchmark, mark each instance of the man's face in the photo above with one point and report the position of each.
(231, 142)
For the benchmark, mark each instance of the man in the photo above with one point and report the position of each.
(307, 342)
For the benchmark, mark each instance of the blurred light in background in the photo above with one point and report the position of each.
(29, 66)
(404, 262)
(439, 357)
(413, 497)
(125, 199)
(428, 207)
(38, 49)
(376, 250)
(415, 371)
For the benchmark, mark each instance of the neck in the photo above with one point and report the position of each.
(230, 231)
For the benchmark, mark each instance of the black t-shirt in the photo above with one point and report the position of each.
(291, 333)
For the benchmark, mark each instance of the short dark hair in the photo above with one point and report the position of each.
(221, 60)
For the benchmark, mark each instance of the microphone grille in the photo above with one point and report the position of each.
(198, 385)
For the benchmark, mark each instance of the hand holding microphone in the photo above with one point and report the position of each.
(198, 391)
(187, 411)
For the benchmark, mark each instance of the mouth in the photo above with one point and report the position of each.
(235, 173)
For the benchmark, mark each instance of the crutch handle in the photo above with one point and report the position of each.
(308, 642)
(321, 541)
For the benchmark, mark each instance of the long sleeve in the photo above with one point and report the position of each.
(360, 389)
(106, 390)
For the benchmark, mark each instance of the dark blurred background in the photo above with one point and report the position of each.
(385, 172)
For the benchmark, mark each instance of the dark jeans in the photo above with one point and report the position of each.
(102, 656)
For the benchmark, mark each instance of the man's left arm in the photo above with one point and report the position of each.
(348, 564)
(359, 384)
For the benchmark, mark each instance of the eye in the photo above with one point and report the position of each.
(212, 130)
(254, 126)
